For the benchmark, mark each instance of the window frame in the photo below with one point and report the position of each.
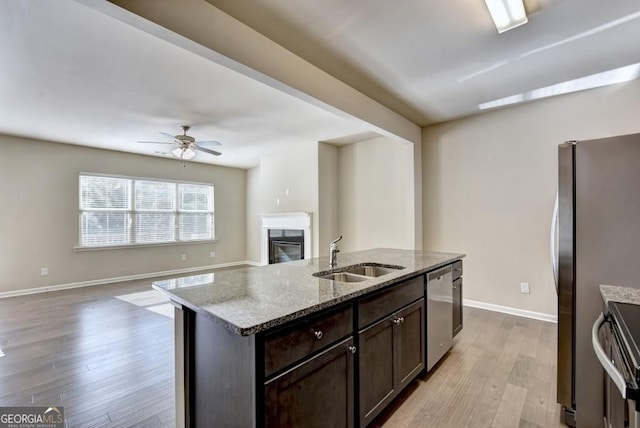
(131, 213)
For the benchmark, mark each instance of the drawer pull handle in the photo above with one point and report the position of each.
(353, 349)
(458, 269)
(318, 334)
(398, 321)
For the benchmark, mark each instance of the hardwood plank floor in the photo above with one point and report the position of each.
(501, 372)
(107, 361)
(105, 353)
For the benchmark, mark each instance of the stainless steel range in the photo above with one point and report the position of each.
(619, 356)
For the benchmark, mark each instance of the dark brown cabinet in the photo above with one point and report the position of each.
(411, 342)
(316, 393)
(337, 367)
(391, 354)
(376, 358)
(295, 342)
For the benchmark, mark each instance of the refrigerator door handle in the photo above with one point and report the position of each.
(553, 243)
(608, 366)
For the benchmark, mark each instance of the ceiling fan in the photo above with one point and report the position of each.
(186, 145)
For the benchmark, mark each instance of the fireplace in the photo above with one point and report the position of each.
(293, 228)
(285, 245)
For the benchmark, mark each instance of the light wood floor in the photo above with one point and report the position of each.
(501, 372)
(109, 362)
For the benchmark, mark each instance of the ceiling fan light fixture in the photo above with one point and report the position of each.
(188, 154)
(507, 14)
(185, 154)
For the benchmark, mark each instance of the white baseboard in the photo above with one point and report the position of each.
(511, 311)
(46, 289)
(472, 303)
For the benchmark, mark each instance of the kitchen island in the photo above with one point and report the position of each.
(277, 346)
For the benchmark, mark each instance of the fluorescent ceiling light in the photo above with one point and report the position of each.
(507, 14)
(606, 78)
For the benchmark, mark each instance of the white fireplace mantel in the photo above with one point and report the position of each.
(292, 220)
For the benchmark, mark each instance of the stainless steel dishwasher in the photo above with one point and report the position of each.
(439, 292)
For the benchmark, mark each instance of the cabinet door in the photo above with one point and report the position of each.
(316, 393)
(457, 306)
(376, 358)
(410, 342)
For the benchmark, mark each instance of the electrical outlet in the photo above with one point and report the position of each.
(44, 271)
(524, 287)
(184, 257)
(212, 254)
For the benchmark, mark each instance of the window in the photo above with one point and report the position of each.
(122, 211)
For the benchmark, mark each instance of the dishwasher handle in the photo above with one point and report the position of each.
(608, 366)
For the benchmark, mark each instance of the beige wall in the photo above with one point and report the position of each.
(376, 195)
(295, 169)
(39, 215)
(363, 191)
(489, 184)
(327, 196)
(253, 203)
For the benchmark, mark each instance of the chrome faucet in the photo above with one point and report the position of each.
(333, 251)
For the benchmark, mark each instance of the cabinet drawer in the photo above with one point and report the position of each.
(457, 269)
(371, 309)
(290, 344)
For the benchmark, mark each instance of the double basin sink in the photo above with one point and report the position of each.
(359, 272)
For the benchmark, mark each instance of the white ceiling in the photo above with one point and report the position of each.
(72, 74)
(435, 60)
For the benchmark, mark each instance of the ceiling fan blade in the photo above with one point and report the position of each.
(168, 135)
(154, 142)
(210, 143)
(202, 149)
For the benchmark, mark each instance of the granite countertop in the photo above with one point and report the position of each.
(615, 293)
(254, 299)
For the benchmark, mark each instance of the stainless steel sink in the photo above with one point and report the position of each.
(344, 277)
(372, 271)
(357, 273)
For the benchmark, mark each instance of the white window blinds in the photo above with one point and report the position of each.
(117, 211)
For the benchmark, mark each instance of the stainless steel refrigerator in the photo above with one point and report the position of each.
(598, 242)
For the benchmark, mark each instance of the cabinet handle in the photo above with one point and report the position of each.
(454, 287)
(458, 269)
(352, 349)
(398, 321)
(318, 334)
